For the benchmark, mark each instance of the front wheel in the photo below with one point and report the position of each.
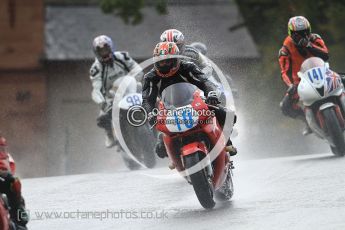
(202, 185)
(334, 131)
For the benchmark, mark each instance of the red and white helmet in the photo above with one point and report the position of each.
(165, 64)
(173, 35)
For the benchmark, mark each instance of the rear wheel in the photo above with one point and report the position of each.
(227, 190)
(202, 185)
(130, 163)
(334, 131)
(140, 141)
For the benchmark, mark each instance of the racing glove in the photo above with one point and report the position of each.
(292, 89)
(97, 96)
(152, 119)
(304, 42)
(212, 98)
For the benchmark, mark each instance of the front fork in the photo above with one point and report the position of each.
(314, 122)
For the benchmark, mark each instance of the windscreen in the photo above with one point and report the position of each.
(178, 95)
(311, 63)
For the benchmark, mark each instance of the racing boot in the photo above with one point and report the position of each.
(172, 166)
(230, 148)
(160, 147)
(306, 130)
(109, 139)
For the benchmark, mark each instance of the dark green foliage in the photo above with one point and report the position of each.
(130, 10)
(267, 22)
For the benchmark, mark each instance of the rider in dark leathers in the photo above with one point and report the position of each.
(172, 71)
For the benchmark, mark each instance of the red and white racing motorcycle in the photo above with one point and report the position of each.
(322, 93)
(190, 132)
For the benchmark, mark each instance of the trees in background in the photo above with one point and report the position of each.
(131, 10)
(267, 21)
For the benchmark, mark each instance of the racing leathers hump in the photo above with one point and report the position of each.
(198, 58)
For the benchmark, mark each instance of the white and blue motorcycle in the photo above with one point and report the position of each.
(322, 94)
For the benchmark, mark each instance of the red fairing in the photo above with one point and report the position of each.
(198, 104)
(193, 148)
(211, 130)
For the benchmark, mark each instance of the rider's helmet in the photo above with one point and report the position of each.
(103, 48)
(173, 35)
(165, 62)
(298, 28)
(4, 157)
(201, 47)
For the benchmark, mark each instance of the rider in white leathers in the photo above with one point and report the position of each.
(108, 67)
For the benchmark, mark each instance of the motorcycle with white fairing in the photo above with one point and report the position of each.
(139, 139)
(322, 94)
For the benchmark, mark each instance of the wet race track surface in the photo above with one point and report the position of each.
(304, 192)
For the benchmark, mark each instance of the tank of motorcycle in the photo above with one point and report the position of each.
(318, 83)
